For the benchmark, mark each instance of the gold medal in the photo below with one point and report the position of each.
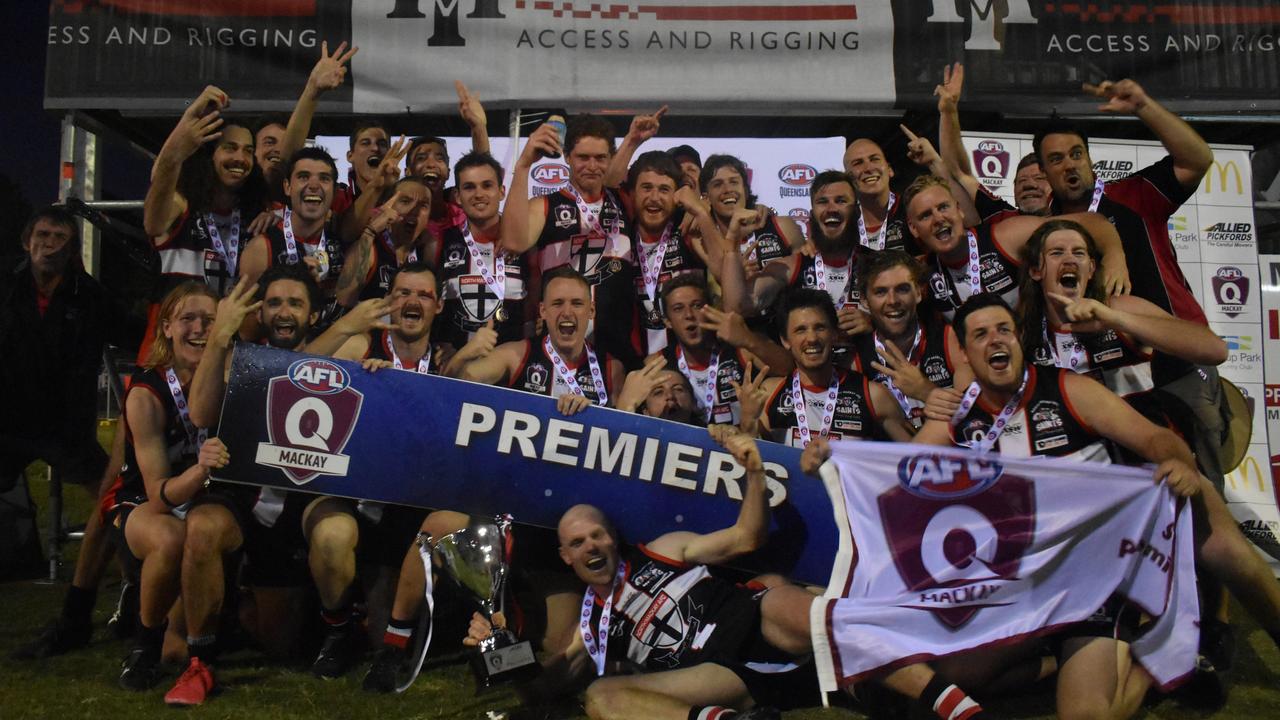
(501, 313)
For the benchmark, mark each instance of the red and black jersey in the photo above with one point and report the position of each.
(1139, 206)
(188, 252)
(537, 374)
(129, 488)
(930, 356)
(730, 363)
(992, 209)
(668, 614)
(604, 259)
(1044, 422)
(377, 282)
(854, 419)
(380, 348)
(326, 245)
(468, 302)
(898, 236)
(949, 286)
(678, 259)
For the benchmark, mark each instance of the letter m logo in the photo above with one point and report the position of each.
(1221, 171)
(986, 31)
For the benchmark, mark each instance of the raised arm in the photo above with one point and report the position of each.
(751, 529)
(472, 113)
(200, 124)
(497, 366)
(361, 320)
(964, 188)
(642, 128)
(359, 261)
(731, 329)
(328, 73)
(210, 381)
(1147, 323)
(522, 218)
(1012, 234)
(1191, 155)
(355, 219)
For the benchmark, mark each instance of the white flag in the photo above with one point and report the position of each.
(942, 550)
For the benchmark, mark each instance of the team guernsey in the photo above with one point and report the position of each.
(928, 352)
(180, 446)
(1139, 206)
(986, 268)
(538, 373)
(325, 248)
(659, 259)
(593, 238)
(841, 411)
(203, 246)
(767, 243)
(381, 348)
(1111, 358)
(666, 614)
(377, 282)
(717, 401)
(468, 270)
(1042, 422)
(890, 235)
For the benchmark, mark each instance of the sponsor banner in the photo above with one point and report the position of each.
(1184, 231)
(1199, 56)
(1260, 523)
(1244, 352)
(780, 169)
(712, 55)
(1251, 482)
(994, 159)
(706, 56)
(329, 427)
(160, 54)
(957, 550)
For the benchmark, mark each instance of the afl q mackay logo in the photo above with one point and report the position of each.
(311, 412)
(957, 537)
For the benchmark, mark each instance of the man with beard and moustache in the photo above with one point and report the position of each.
(714, 349)
(832, 268)
(396, 235)
(993, 415)
(663, 249)
(561, 362)
(768, 236)
(987, 257)
(819, 399)
(880, 223)
(481, 281)
(908, 351)
(304, 235)
(206, 193)
(584, 226)
(265, 522)
(269, 146)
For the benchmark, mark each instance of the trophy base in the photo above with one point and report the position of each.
(500, 665)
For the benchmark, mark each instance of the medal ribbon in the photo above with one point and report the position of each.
(820, 275)
(709, 392)
(988, 441)
(882, 236)
(1077, 350)
(900, 396)
(802, 418)
(230, 256)
(424, 362)
(496, 279)
(291, 245)
(563, 371)
(598, 650)
(651, 266)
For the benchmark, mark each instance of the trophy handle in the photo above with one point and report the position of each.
(503, 523)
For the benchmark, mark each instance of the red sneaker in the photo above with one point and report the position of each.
(193, 686)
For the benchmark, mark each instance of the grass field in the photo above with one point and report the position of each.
(82, 684)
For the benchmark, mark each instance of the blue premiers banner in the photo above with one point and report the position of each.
(324, 426)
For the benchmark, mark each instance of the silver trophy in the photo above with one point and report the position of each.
(478, 557)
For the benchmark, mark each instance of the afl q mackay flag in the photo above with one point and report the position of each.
(318, 425)
(943, 550)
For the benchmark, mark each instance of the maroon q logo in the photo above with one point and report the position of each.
(310, 415)
(957, 536)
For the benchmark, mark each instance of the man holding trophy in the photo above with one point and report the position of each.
(699, 646)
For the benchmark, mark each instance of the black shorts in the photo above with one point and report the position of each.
(115, 517)
(774, 678)
(276, 556)
(1116, 619)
